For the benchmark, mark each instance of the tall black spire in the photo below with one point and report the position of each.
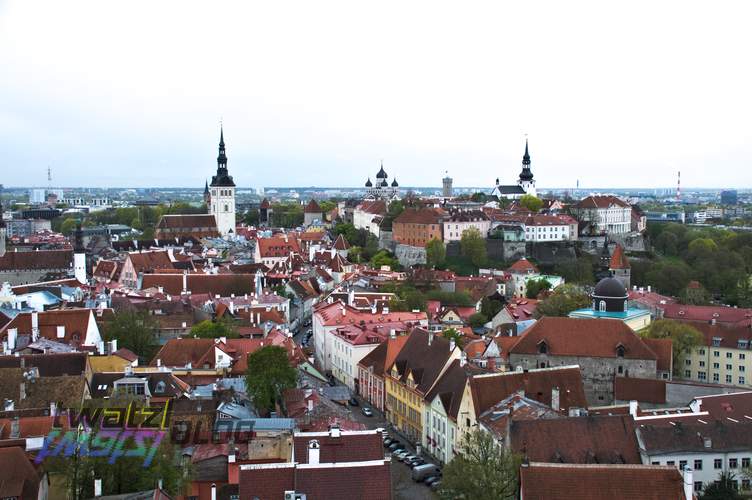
(526, 174)
(79, 241)
(222, 178)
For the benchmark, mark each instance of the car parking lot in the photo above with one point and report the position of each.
(404, 463)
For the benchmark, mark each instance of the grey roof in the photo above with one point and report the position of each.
(236, 411)
(513, 189)
(257, 424)
(337, 393)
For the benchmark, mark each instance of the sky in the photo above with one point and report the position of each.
(613, 94)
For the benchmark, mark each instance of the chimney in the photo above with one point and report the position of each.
(213, 491)
(231, 456)
(555, 399)
(185, 281)
(452, 345)
(650, 287)
(53, 408)
(430, 338)
(334, 431)
(310, 405)
(633, 407)
(34, 326)
(373, 308)
(712, 321)
(159, 362)
(60, 331)
(97, 488)
(344, 311)
(100, 347)
(232, 307)
(463, 359)
(351, 297)
(22, 391)
(689, 484)
(392, 333)
(113, 345)
(314, 450)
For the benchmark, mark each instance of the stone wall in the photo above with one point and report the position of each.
(597, 373)
(410, 256)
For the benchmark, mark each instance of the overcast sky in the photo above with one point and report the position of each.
(615, 94)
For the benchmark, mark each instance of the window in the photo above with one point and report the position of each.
(621, 369)
(741, 380)
(741, 368)
(742, 356)
(160, 388)
(729, 380)
(656, 463)
(716, 342)
(745, 484)
(687, 373)
(729, 355)
(682, 464)
(701, 352)
(620, 352)
(702, 375)
(688, 362)
(716, 354)
(542, 348)
(716, 377)
(733, 463)
(718, 463)
(745, 463)
(670, 462)
(698, 465)
(702, 364)
(602, 306)
(698, 485)
(716, 366)
(729, 367)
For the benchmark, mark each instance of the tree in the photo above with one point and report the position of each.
(454, 334)
(477, 320)
(531, 202)
(68, 226)
(384, 258)
(667, 243)
(135, 331)
(578, 271)
(208, 329)
(721, 489)
(473, 246)
(684, 339)
(435, 253)
(669, 277)
(483, 470)
(269, 373)
(694, 294)
(562, 301)
(536, 286)
(490, 307)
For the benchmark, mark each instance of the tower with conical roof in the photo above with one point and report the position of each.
(222, 193)
(526, 181)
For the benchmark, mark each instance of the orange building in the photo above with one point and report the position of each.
(418, 226)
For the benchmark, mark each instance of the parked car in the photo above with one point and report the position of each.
(401, 456)
(417, 462)
(431, 479)
(367, 411)
(408, 458)
(436, 485)
(421, 472)
(353, 402)
(388, 441)
(397, 452)
(395, 444)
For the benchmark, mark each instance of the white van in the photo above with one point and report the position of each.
(423, 471)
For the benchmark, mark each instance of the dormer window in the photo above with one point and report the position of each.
(542, 347)
(160, 387)
(717, 341)
(620, 351)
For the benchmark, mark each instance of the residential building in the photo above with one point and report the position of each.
(312, 213)
(460, 221)
(724, 356)
(418, 366)
(602, 348)
(196, 225)
(75, 327)
(547, 228)
(277, 249)
(603, 214)
(369, 214)
(371, 369)
(417, 226)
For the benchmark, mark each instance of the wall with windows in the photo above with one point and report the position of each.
(720, 365)
(706, 467)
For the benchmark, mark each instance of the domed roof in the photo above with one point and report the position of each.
(610, 287)
(384, 183)
(394, 183)
(382, 173)
(369, 183)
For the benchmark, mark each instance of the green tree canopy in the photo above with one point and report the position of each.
(435, 253)
(135, 331)
(477, 320)
(473, 246)
(68, 226)
(684, 338)
(209, 329)
(269, 373)
(483, 470)
(532, 203)
(721, 489)
(536, 286)
(562, 301)
(384, 258)
(454, 334)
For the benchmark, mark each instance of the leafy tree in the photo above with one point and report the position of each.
(252, 218)
(477, 320)
(435, 253)
(684, 339)
(384, 258)
(327, 206)
(454, 334)
(490, 307)
(208, 329)
(667, 243)
(483, 470)
(68, 226)
(694, 295)
(562, 301)
(578, 271)
(135, 331)
(269, 373)
(669, 277)
(531, 202)
(721, 489)
(372, 245)
(462, 299)
(535, 287)
(355, 254)
(473, 246)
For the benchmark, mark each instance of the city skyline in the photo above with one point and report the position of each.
(319, 96)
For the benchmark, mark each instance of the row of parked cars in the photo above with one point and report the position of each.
(423, 472)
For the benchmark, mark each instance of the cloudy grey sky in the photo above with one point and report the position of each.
(614, 94)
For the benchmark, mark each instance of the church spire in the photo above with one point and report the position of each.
(526, 175)
(526, 156)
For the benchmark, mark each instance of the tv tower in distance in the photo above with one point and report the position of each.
(678, 186)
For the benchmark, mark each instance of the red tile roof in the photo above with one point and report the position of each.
(38, 259)
(348, 447)
(18, 478)
(312, 207)
(149, 261)
(278, 246)
(605, 201)
(341, 243)
(75, 321)
(663, 348)
(421, 216)
(523, 266)
(604, 439)
(487, 390)
(377, 207)
(331, 315)
(223, 285)
(720, 314)
(545, 481)
(644, 390)
(583, 337)
(618, 259)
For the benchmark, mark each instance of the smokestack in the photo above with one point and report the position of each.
(314, 450)
(452, 345)
(34, 325)
(633, 406)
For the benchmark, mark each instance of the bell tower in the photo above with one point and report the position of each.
(222, 193)
(526, 181)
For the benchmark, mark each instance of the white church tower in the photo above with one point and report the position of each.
(526, 182)
(222, 193)
(79, 256)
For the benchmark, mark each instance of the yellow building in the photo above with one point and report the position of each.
(723, 358)
(415, 370)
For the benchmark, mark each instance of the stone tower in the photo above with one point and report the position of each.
(222, 193)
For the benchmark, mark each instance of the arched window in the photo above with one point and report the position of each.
(160, 388)
(602, 306)
(620, 351)
(542, 348)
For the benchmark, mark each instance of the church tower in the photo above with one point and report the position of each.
(222, 193)
(79, 256)
(526, 181)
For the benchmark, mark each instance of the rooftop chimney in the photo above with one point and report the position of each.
(555, 399)
(334, 431)
(314, 450)
(392, 333)
(633, 406)
(430, 338)
(689, 485)
(97, 488)
(452, 345)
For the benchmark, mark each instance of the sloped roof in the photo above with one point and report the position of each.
(543, 481)
(451, 386)
(341, 243)
(50, 364)
(601, 439)
(721, 314)
(223, 285)
(312, 207)
(383, 355)
(421, 360)
(644, 390)
(421, 216)
(149, 261)
(278, 246)
(583, 337)
(663, 348)
(348, 447)
(75, 321)
(38, 259)
(18, 478)
(618, 259)
(604, 201)
(487, 390)
(523, 266)
(187, 221)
